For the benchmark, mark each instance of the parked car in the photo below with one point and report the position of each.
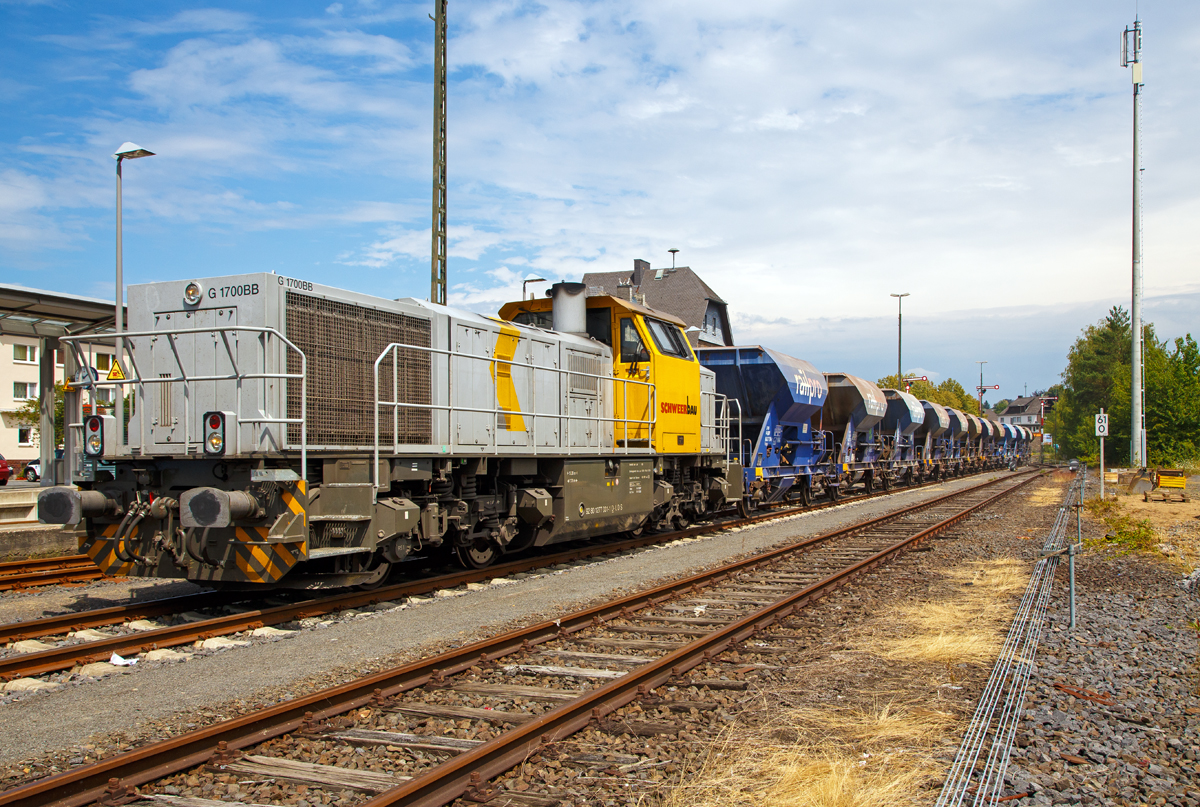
(5, 471)
(33, 468)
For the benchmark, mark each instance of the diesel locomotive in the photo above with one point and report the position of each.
(285, 433)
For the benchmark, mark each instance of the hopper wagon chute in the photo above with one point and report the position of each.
(934, 438)
(853, 412)
(904, 417)
(957, 436)
(785, 451)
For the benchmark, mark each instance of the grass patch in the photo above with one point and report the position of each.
(1130, 533)
(873, 755)
(841, 758)
(962, 630)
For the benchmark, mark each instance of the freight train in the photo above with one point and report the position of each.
(284, 433)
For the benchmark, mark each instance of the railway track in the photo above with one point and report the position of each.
(543, 683)
(146, 635)
(19, 574)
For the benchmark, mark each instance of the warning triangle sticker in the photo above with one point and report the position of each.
(116, 373)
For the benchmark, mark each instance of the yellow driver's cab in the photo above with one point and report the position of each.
(650, 352)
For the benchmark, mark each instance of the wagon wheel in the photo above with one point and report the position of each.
(744, 508)
(885, 482)
(833, 491)
(479, 554)
(806, 492)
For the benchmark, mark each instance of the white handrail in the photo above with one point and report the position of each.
(136, 378)
(496, 411)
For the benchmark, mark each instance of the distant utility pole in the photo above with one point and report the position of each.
(981, 363)
(1131, 56)
(437, 286)
(900, 335)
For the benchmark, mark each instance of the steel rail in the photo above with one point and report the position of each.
(115, 615)
(41, 564)
(463, 773)
(81, 573)
(63, 658)
(117, 774)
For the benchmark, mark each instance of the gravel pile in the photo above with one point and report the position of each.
(1112, 714)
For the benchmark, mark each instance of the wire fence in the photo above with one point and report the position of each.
(989, 737)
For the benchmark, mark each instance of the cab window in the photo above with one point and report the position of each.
(632, 348)
(668, 339)
(538, 319)
(599, 325)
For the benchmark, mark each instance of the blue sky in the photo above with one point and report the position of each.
(806, 158)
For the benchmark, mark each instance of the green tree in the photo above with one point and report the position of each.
(1098, 376)
(30, 414)
(948, 393)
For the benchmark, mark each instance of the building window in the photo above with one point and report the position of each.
(103, 362)
(23, 391)
(24, 436)
(104, 395)
(58, 358)
(26, 354)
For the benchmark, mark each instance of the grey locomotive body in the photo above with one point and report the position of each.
(284, 432)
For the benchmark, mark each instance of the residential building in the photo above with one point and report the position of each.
(19, 363)
(676, 291)
(1023, 412)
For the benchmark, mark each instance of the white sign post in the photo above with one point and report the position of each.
(1102, 432)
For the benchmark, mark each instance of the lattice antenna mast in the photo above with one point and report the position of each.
(1131, 56)
(437, 285)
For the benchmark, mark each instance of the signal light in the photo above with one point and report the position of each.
(214, 433)
(99, 434)
(93, 436)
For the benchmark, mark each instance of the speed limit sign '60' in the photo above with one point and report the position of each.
(1102, 425)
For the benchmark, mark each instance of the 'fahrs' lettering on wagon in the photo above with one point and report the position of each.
(677, 408)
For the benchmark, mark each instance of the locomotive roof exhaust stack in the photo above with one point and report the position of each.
(570, 307)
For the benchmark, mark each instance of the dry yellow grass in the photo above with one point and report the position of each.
(842, 758)
(1046, 496)
(852, 757)
(964, 629)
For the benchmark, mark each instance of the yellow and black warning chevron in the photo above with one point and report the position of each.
(103, 551)
(263, 562)
(297, 502)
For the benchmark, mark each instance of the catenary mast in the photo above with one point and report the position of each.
(1131, 56)
(437, 286)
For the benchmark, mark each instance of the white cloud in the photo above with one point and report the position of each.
(195, 20)
(807, 160)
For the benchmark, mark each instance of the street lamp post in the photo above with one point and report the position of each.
(899, 335)
(127, 151)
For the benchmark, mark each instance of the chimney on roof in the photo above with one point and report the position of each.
(640, 268)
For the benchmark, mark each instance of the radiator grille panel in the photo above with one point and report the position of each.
(342, 341)
(583, 384)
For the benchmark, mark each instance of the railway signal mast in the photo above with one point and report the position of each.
(1131, 56)
(437, 287)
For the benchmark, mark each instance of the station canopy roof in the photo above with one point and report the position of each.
(35, 312)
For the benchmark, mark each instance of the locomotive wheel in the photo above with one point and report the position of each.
(480, 554)
(743, 508)
(378, 576)
(680, 523)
